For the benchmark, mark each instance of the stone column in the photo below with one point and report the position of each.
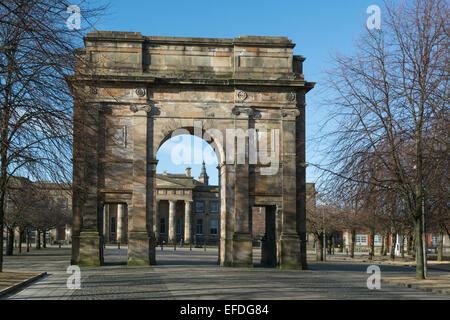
(242, 239)
(226, 217)
(301, 177)
(88, 138)
(106, 223)
(140, 235)
(289, 239)
(119, 223)
(172, 230)
(156, 222)
(187, 221)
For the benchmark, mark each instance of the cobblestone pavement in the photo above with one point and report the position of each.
(185, 274)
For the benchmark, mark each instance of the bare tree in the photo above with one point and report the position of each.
(36, 53)
(324, 219)
(388, 94)
(17, 209)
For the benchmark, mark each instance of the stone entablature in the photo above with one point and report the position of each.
(242, 58)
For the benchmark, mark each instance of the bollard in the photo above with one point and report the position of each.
(190, 246)
(118, 245)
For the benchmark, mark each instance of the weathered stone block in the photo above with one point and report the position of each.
(141, 249)
(289, 251)
(89, 255)
(242, 250)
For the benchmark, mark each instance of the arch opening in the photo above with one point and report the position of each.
(115, 233)
(188, 200)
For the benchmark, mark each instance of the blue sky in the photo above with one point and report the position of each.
(319, 28)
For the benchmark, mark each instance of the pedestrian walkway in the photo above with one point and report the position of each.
(185, 274)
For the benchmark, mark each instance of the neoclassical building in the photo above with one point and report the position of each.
(187, 211)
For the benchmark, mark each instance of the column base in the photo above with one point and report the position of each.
(242, 250)
(226, 252)
(75, 259)
(89, 249)
(290, 251)
(141, 249)
(303, 255)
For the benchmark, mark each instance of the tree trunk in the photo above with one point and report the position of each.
(372, 244)
(402, 245)
(386, 244)
(28, 240)
(410, 244)
(329, 244)
(3, 175)
(319, 247)
(393, 243)
(10, 249)
(352, 245)
(420, 267)
(441, 246)
(38, 239)
(21, 233)
(44, 239)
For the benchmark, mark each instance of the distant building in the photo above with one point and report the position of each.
(60, 196)
(187, 211)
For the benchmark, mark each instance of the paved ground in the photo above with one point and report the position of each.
(9, 279)
(184, 274)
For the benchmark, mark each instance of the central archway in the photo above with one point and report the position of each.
(187, 195)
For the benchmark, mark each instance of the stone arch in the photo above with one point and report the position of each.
(207, 134)
(214, 138)
(140, 92)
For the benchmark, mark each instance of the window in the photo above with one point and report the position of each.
(162, 225)
(62, 203)
(199, 206)
(213, 227)
(199, 226)
(434, 240)
(178, 226)
(213, 206)
(378, 240)
(113, 225)
(361, 239)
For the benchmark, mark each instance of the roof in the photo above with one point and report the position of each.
(179, 181)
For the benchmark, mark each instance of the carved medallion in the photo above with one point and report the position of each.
(291, 96)
(140, 92)
(242, 95)
(93, 90)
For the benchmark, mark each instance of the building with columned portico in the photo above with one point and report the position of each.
(187, 211)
